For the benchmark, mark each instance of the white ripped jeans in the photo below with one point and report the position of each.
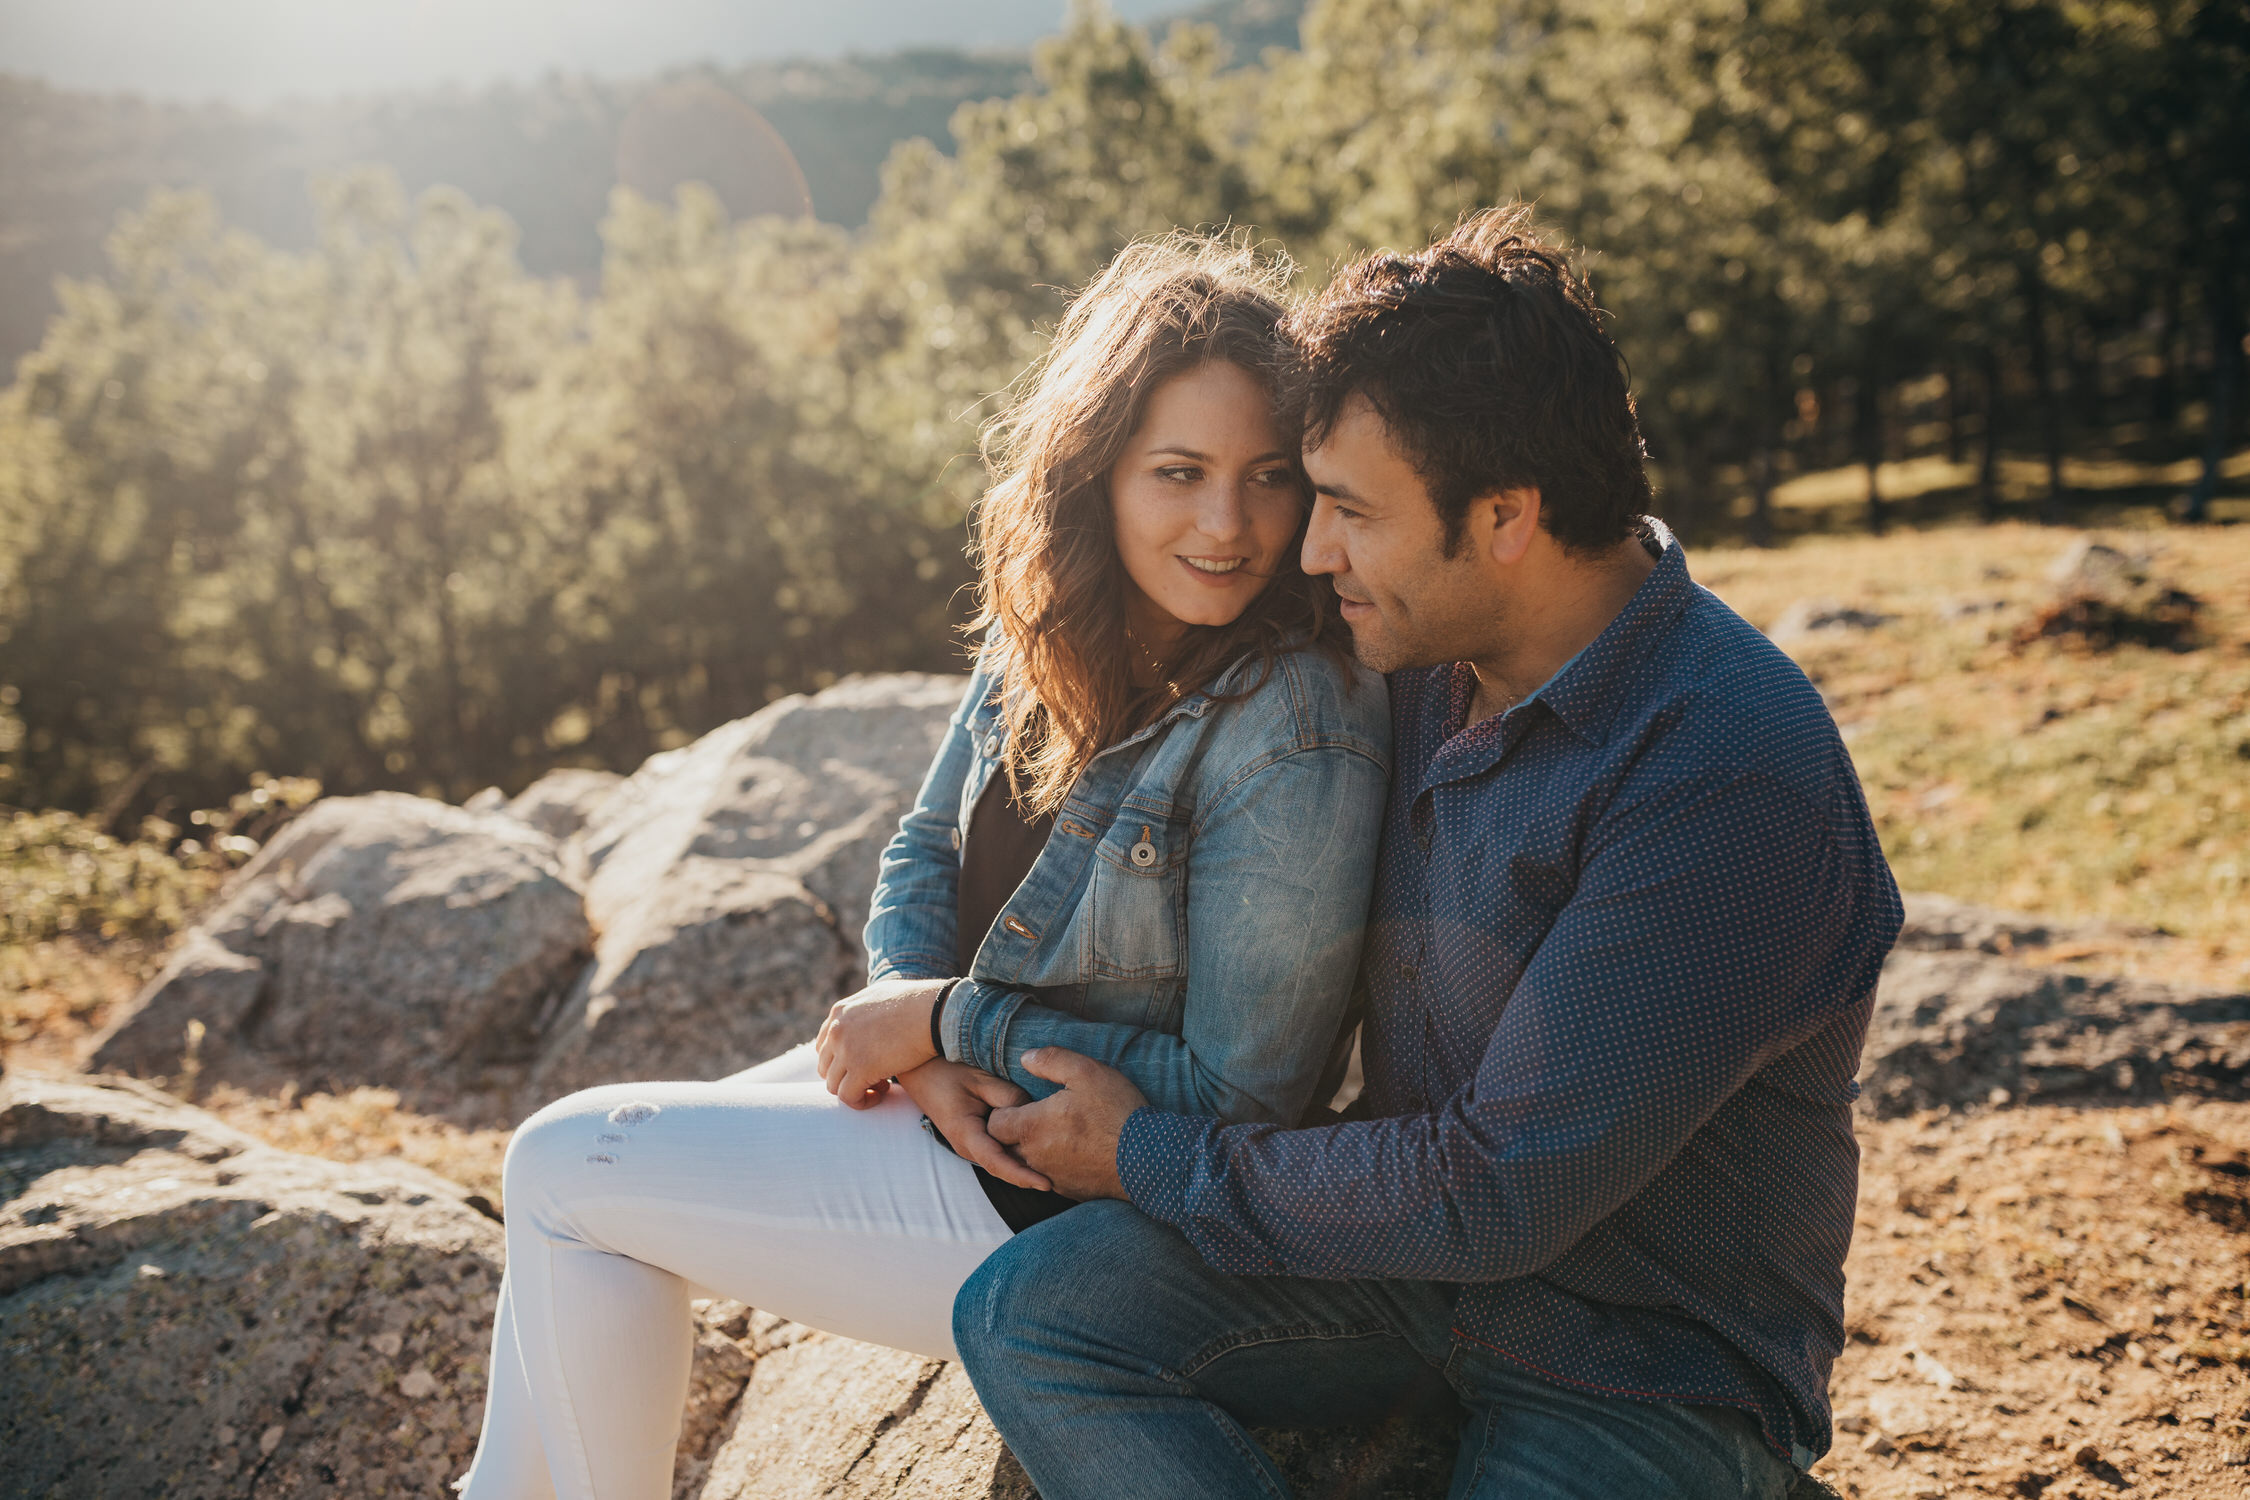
(624, 1202)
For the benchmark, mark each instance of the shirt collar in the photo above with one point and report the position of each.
(1585, 694)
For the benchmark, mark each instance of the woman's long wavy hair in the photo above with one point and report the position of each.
(1051, 586)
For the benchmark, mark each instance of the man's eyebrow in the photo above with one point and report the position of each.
(1337, 492)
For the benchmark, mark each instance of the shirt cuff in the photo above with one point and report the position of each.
(1157, 1156)
(909, 966)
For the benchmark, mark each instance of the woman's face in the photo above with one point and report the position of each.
(1206, 501)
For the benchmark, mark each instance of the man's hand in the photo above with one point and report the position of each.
(873, 1036)
(1071, 1136)
(957, 1098)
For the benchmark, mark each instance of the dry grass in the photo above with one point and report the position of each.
(56, 995)
(2021, 480)
(362, 1125)
(2044, 777)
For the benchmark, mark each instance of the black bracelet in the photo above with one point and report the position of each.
(937, 1018)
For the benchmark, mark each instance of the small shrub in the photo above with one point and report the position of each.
(60, 876)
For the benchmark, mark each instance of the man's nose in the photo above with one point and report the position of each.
(1323, 550)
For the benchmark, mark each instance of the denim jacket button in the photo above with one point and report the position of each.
(1144, 855)
(955, 835)
(992, 745)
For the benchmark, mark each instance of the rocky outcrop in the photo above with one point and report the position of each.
(188, 1313)
(377, 939)
(562, 802)
(2103, 596)
(1955, 1026)
(687, 921)
(1960, 1020)
(1815, 617)
(729, 880)
(711, 969)
(822, 1416)
(825, 1417)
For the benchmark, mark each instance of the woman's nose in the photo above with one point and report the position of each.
(1219, 510)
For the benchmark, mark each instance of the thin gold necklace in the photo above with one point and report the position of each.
(1154, 665)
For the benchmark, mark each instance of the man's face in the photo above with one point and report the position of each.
(1375, 532)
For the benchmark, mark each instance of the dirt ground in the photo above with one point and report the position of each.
(2049, 1302)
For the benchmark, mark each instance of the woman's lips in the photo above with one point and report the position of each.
(1227, 579)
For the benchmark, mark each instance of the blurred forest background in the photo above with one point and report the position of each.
(508, 452)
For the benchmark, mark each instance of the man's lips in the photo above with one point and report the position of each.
(1353, 609)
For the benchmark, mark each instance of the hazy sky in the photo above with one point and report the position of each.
(256, 51)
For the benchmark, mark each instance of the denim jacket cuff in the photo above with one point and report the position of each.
(909, 966)
(1157, 1156)
(976, 1024)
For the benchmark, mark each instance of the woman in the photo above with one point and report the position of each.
(1148, 836)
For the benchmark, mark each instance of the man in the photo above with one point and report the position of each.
(1626, 931)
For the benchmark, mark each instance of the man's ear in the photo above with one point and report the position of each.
(1510, 521)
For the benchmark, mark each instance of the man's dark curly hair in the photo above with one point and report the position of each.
(1487, 359)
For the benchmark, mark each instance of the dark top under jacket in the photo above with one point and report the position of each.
(1002, 843)
(1625, 944)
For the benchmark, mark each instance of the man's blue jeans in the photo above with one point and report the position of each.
(1117, 1363)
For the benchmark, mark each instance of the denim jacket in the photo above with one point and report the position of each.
(1195, 916)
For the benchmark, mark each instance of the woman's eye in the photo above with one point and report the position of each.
(1180, 473)
(1275, 478)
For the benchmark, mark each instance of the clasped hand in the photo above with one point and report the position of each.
(873, 1036)
(1070, 1137)
(1067, 1141)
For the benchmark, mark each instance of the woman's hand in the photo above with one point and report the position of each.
(875, 1035)
(957, 1098)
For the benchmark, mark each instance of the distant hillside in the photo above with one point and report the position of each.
(547, 153)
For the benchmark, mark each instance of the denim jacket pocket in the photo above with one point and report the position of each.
(1136, 903)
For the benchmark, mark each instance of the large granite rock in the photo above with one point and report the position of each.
(1959, 1026)
(562, 802)
(728, 882)
(187, 1313)
(684, 922)
(382, 939)
(823, 1418)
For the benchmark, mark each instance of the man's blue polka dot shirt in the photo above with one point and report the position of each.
(1623, 949)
